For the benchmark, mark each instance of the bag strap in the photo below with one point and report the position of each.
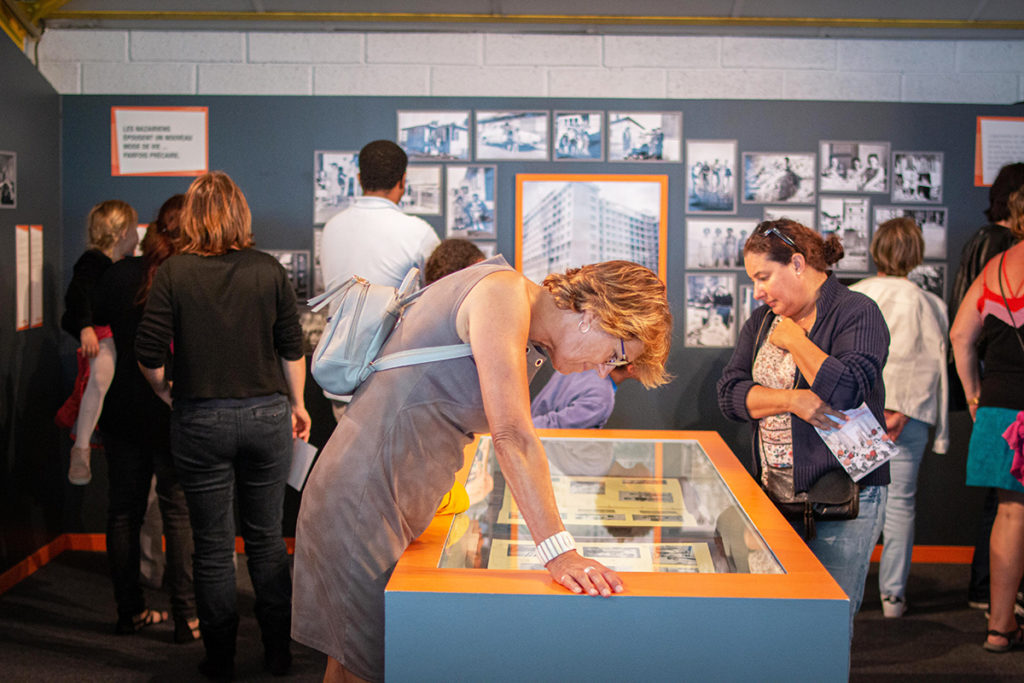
(426, 354)
(1006, 303)
(321, 300)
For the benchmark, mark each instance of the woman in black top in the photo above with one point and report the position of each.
(239, 374)
(136, 431)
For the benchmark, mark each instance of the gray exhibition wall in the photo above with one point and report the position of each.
(267, 145)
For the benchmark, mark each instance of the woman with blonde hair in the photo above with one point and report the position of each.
(395, 452)
(915, 390)
(812, 351)
(986, 334)
(237, 400)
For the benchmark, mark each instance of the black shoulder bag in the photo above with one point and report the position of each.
(834, 496)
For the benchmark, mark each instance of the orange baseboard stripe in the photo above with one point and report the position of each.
(27, 567)
(935, 554)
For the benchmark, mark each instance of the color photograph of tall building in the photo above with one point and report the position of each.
(568, 223)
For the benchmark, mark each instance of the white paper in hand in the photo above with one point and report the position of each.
(861, 444)
(302, 461)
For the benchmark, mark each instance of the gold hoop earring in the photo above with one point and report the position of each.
(583, 328)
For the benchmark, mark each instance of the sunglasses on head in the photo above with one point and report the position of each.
(786, 239)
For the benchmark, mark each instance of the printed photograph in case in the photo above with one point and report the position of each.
(931, 277)
(917, 177)
(776, 177)
(645, 136)
(434, 135)
(579, 135)
(8, 180)
(422, 191)
(716, 242)
(470, 199)
(511, 135)
(804, 215)
(854, 166)
(710, 310)
(847, 217)
(711, 181)
(748, 304)
(296, 264)
(337, 183)
(569, 220)
(932, 221)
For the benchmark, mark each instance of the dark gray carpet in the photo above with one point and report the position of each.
(57, 625)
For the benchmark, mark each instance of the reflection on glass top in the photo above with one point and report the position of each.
(633, 505)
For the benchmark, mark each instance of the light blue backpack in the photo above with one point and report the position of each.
(359, 327)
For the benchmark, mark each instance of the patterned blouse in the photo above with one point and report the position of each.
(775, 368)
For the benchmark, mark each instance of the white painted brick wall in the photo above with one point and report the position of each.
(531, 65)
(731, 84)
(424, 48)
(371, 80)
(796, 53)
(674, 52)
(478, 81)
(307, 48)
(102, 78)
(176, 46)
(540, 50)
(255, 79)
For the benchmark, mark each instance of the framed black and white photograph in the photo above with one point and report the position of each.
(854, 166)
(710, 310)
(511, 135)
(804, 215)
(434, 135)
(645, 136)
(489, 249)
(848, 218)
(569, 220)
(296, 264)
(716, 242)
(8, 180)
(336, 183)
(422, 191)
(711, 181)
(931, 277)
(778, 177)
(917, 177)
(933, 222)
(469, 201)
(318, 273)
(748, 304)
(579, 136)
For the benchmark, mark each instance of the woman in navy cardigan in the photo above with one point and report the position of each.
(814, 349)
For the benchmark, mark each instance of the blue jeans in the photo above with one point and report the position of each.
(130, 467)
(220, 447)
(845, 547)
(898, 544)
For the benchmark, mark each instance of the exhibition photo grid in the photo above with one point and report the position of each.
(711, 180)
(710, 310)
(579, 136)
(336, 177)
(932, 221)
(848, 218)
(8, 180)
(931, 277)
(917, 177)
(804, 215)
(422, 190)
(645, 136)
(470, 201)
(779, 177)
(507, 135)
(716, 243)
(434, 135)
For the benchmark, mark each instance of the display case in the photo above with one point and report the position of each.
(717, 583)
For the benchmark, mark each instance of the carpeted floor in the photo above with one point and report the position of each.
(57, 625)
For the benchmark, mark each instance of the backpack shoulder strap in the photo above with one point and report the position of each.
(427, 354)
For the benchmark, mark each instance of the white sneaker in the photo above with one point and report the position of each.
(79, 472)
(893, 607)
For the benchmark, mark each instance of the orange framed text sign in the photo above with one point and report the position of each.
(999, 140)
(565, 220)
(159, 141)
(707, 560)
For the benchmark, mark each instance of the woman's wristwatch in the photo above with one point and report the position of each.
(553, 546)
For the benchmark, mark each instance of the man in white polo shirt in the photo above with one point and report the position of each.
(373, 238)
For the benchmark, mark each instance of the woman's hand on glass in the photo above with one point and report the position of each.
(809, 407)
(581, 575)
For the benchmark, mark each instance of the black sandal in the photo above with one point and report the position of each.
(137, 622)
(1014, 640)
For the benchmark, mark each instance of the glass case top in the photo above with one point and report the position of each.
(632, 504)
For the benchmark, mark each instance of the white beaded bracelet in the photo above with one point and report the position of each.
(553, 546)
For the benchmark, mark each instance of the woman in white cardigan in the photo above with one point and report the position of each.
(915, 390)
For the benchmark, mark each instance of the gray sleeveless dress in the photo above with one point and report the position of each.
(380, 478)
